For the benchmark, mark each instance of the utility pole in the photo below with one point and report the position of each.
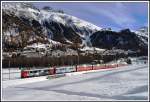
(116, 55)
(9, 69)
(78, 58)
(76, 47)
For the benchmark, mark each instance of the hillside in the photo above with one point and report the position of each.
(34, 33)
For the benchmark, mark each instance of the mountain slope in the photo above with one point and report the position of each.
(25, 25)
(48, 24)
(125, 39)
(142, 33)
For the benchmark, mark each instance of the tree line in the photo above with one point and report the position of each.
(56, 61)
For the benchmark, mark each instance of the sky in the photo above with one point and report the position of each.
(115, 15)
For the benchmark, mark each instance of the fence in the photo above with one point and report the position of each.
(11, 74)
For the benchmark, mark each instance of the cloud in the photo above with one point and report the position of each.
(118, 13)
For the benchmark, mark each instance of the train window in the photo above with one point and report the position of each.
(35, 71)
(42, 71)
(47, 71)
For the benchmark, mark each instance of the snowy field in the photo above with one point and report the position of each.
(122, 83)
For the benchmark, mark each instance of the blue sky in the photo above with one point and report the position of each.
(119, 15)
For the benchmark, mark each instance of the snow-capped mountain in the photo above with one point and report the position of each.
(24, 25)
(57, 26)
(143, 34)
(143, 31)
(125, 39)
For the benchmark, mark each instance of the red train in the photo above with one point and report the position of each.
(65, 69)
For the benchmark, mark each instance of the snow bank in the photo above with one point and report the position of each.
(15, 82)
(90, 71)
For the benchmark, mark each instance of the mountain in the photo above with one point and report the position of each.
(125, 39)
(42, 25)
(142, 33)
(25, 26)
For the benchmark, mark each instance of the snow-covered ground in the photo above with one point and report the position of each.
(122, 83)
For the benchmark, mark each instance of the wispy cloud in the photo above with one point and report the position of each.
(115, 15)
(118, 13)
